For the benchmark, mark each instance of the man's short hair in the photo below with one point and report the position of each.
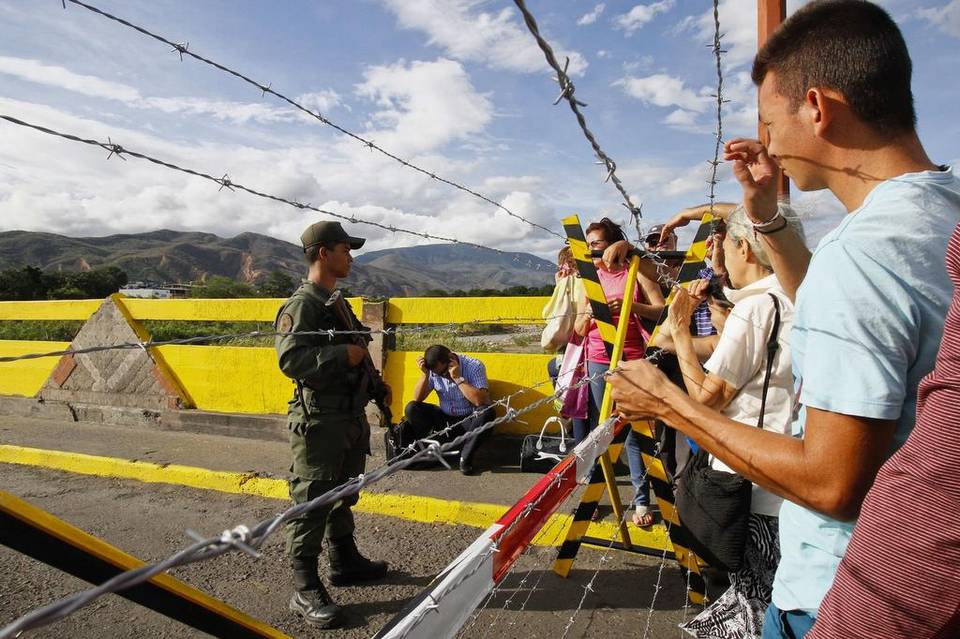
(850, 46)
(312, 254)
(436, 354)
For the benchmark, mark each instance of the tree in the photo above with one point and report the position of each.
(219, 286)
(277, 284)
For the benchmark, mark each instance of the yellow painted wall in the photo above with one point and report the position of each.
(230, 379)
(507, 374)
(246, 380)
(27, 376)
(444, 310)
(223, 310)
(49, 310)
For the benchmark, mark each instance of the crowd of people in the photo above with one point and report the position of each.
(820, 389)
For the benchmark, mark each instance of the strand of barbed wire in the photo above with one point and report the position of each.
(656, 586)
(183, 49)
(452, 327)
(503, 582)
(249, 540)
(494, 548)
(226, 183)
(567, 93)
(588, 587)
(717, 54)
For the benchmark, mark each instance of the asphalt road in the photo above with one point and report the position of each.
(149, 520)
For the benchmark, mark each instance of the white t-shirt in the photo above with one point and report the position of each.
(740, 359)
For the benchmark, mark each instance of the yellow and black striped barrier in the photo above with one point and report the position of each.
(662, 488)
(38, 534)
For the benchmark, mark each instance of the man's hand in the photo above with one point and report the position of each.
(758, 175)
(355, 354)
(422, 363)
(685, 303)
(388, 396)
(637, 386)
(454, 369)
(616, 254)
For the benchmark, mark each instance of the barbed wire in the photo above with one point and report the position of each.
(588, 588)
(226, 183)
(248, 540)
(183, 49)
(456, 327)
(567, 93)
(717, 54)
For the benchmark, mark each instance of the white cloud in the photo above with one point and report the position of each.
(591, 16)
(224, 110)
(603, 53)
(55, 76)
(945, 18)
(321, 101)
(423, 105)
(663, 90)
(641, 14)
(499, 40)
(738, 25)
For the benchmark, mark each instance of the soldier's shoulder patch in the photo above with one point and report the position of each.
(285, 323)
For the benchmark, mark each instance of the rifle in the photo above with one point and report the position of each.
(378, 389)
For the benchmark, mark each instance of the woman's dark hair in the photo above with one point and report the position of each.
(850, 46)
(436, 354)
(611, 230)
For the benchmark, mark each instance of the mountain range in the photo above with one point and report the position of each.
(175, 256)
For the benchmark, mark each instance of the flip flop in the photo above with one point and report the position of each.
(643, 518)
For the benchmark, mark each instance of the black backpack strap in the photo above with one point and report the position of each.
(772, 346)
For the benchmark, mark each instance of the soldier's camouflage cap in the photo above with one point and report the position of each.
(328, 233)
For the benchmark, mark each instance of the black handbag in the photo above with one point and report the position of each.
(714, 505)
(540, 453)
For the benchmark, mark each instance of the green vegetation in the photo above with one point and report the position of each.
(164, 330)
(513, 291)
(52, 330)
(30, 283)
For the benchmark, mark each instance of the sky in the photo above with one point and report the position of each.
(457, 87)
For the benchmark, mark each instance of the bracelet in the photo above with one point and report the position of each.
(769, 227)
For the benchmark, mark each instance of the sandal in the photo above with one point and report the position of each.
(643, 518)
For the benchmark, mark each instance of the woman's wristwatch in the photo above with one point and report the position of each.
(459, 380)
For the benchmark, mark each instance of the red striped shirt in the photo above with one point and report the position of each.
(900, 576)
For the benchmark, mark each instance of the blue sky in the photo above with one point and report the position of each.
(456, 86)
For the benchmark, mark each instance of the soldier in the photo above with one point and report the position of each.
(329, 433)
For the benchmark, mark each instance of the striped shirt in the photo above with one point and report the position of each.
(901, 574)
(452, 400)
(702, 326)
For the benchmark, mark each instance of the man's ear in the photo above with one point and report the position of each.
(820, 106)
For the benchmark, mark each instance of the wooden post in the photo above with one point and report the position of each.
(374, 317)
(770, 14)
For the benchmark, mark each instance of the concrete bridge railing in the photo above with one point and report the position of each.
(238, 379)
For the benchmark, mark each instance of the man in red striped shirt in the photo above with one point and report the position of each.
(901, 578)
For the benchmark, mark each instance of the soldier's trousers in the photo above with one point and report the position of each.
(327, 454)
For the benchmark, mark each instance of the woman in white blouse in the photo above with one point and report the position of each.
(732, 381)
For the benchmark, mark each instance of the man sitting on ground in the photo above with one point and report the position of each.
(461, 385)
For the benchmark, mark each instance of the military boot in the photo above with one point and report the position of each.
(348, 566)
(311, 600)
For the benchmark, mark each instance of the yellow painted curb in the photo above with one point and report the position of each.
(408, 507)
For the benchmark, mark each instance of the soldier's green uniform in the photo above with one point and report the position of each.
(329, 433)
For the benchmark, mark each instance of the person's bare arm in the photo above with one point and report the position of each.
(422, 388)
(829, 470)
(652, 309)
(474, 395)
(584, 318)
(694, 214)
(759, 175)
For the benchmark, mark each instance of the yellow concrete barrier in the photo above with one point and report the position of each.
(445, 310)
(213, 310)
(507, 373)
(49, 310)
(26, 377)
